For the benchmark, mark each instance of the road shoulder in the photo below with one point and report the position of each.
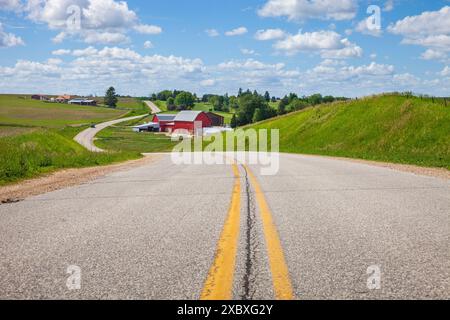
(441, 173)
(66, 178)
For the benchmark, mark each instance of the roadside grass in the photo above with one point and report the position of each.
(122, 138)
(17, 110)
(386, 128)
(43, 151)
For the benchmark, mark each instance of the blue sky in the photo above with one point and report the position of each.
(212, 46)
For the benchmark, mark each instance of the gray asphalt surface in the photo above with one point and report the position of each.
(151, 233)
(336, 218)
(147, 233)
(86, 137)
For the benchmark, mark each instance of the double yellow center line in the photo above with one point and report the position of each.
(219, 283)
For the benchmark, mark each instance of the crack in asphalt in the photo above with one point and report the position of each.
(251, 244)
(10, 200)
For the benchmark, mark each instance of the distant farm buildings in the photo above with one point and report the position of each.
(83, 102)
(40, 97)
(184, 123)
(65, 99)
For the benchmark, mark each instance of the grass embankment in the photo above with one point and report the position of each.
(42, 151)
(386, 128)
(37, 137)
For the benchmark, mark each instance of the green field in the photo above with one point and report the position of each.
(22, 111)
(37, 137)
(387, 128)
(203, 106)
(121, 137)
(132, 106)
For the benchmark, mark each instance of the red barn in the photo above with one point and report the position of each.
(185, 120)
(165, 121)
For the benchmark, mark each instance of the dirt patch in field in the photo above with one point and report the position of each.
(65, 178)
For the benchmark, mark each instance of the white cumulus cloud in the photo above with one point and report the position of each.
(9, 40)
(148, 29)
(431, 30)
(94, 21)
(328, 43)
(310, 9)
(236, 32)
(269, 34)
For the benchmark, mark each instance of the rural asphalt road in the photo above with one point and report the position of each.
(309, 232)
(153, 107)
(86, 137)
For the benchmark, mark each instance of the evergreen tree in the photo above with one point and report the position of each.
(111, 97)
(234, 123)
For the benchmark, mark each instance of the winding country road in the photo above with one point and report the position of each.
(166, 231)
(86, 137)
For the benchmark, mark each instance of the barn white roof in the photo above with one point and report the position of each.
(188, 116)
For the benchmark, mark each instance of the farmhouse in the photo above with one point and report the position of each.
(63, 99)
(83, 102)
(183, 121)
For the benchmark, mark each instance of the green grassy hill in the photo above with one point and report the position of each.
(19, 110)
(387, 128)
